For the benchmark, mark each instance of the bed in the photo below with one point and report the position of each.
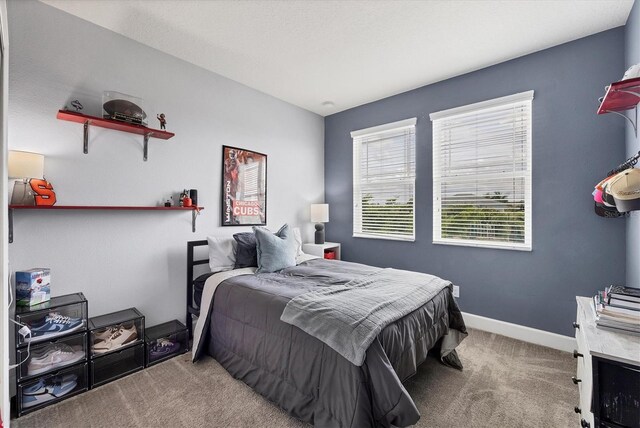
(239, 324)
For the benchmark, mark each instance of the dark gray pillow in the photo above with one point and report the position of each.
(275, 251)
(246, 251)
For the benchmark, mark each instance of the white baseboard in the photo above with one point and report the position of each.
(520, 332)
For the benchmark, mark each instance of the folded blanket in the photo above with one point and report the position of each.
(349, 317)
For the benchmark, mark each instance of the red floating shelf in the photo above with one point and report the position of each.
(113, 124)
(117, 125)
(621, 96)
(194, 211)
(102, 207)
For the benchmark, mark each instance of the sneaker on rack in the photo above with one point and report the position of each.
(35, 389)
(49, 348)
(62, 385)
(54, 325)
(42, 351)
(104, 334)
(163, 347)
(35, 400)
(119, 338)
(57, 355)
(43, 387)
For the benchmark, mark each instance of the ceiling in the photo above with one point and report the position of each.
(328, 56)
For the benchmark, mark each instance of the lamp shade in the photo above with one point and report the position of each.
(320, 213)
(25, 164)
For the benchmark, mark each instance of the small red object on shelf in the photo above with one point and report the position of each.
(43, 192)
(621, 96)
(329, 254)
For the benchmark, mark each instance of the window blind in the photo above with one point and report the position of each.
(482, 174)
(384, 162)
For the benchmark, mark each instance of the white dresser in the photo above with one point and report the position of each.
(608, 373)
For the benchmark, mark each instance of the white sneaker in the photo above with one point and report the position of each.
(104, 334)
(56, 355)
(118, 339)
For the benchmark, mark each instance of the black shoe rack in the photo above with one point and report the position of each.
(96, 350)
(164, 341)
(40, 379)
(116, 345)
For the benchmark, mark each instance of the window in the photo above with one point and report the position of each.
(384, 171)
(482, 174)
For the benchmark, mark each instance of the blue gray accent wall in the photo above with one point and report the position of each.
(574, 252)
(632, 56)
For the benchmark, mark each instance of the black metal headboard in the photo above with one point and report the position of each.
(192, 310)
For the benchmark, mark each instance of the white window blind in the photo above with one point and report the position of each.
(482, 174)
(384, 164)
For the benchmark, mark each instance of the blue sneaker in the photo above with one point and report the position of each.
(36, 388)
(35, 400)
(58, 386)
(54, 325)
(41, 393)
(62, 385)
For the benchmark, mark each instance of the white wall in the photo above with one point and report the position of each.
(4, 297)
(128, 258)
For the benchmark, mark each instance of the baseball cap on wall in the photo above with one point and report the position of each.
(625, 190)
(632, 73)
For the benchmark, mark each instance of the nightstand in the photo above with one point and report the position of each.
(328, 250)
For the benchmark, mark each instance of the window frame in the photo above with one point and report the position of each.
(515, 99)
(356, 137)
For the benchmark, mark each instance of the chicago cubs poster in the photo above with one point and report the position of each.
(244, 187)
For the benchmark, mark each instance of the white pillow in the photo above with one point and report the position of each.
(298, 239)
(222, 253)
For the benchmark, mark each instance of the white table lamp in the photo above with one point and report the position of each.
(319, 215)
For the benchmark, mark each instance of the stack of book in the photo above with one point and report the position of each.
(618, 308)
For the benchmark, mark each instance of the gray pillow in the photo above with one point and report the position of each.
(275, 251)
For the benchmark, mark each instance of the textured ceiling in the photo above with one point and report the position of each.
(348, 52)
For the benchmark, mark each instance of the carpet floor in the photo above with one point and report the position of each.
(505, 383)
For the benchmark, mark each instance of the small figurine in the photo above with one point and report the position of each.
(76, 105)
(162, 120)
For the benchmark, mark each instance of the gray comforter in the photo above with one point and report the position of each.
(349, 317)
(304, 376)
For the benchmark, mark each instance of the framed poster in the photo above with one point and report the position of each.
(244, 187)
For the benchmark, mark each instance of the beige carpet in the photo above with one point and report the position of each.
(505, 383)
